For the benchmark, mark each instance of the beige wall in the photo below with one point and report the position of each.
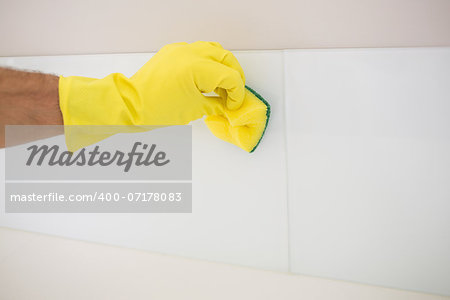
(49, 27)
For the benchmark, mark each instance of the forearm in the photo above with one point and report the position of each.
(28, 98)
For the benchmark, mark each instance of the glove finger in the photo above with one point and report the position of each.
(216, 52)
(231, 61)
(219, 126)
(221, 92)
(210, 75)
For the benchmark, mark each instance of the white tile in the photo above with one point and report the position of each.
(96, 66)
(239, 199)
(369, 165)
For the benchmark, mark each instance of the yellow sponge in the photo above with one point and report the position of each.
(245, 126)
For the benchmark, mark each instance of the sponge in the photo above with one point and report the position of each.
(245, 126)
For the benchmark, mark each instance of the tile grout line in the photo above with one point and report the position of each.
(289, 260)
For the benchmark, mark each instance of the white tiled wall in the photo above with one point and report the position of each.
(239, 199)
(366, 184)
(369, 165)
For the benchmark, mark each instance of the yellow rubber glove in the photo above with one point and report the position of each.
(167, 90)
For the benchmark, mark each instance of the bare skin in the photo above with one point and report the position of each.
(28, 98)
